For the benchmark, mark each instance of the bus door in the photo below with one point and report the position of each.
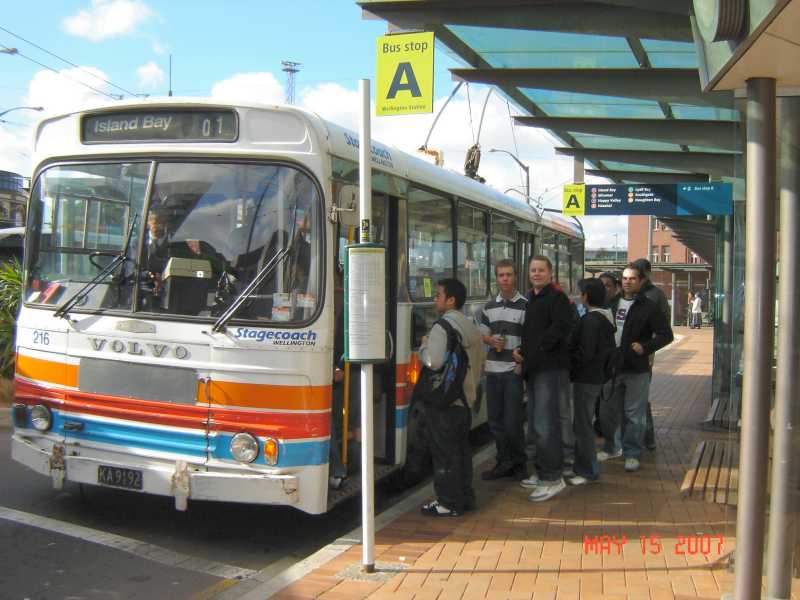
(524, 251)
(384, 232)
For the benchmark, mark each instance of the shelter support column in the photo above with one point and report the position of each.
(783, 497)
(577, 169)
(759, 328)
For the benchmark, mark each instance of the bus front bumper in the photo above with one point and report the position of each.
(177, 478)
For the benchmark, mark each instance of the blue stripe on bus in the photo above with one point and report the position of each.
(401, 417)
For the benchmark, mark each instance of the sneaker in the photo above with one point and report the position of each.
(568, 472)
(603, 456)
(545, 491)
(580, 480)
(434, 509)
(631, 464)
(651, 446)
(499, 471)
(530, 482)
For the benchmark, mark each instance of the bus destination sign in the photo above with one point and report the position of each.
(160, 126)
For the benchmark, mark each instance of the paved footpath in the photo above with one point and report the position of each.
(511, 548)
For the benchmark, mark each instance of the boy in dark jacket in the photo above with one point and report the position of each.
(642, 329)
(591, 347)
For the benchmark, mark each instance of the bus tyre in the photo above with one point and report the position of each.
(418, 456)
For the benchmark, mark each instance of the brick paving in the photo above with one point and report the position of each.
(571, 546)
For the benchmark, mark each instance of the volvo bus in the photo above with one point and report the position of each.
(182, 285)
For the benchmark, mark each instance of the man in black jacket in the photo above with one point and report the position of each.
(545, 360)
(642, 329)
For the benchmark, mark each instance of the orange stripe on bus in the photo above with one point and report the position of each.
(249, 395)
(47, 370)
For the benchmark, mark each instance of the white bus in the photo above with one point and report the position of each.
(179, 325)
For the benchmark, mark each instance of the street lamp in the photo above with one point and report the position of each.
(36, 108)
(525, 168)
(9, 51)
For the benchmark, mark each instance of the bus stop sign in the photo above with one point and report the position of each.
(661, 199)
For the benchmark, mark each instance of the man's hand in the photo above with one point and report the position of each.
(517, 355)
(638, 348)
(496, 344)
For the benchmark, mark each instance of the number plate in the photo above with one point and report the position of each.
(130, 479)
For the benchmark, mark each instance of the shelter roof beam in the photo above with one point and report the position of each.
(681, 86)
(590, 18)
(648, 176)
(694, 132)
(715, 163)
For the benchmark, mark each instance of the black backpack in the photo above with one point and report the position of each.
(611, 356)
(445, 386)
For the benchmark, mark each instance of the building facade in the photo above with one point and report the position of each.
(677, 270)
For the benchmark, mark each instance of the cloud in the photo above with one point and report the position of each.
(63, 91)
(250, 87)
(107, 19)
(150, 75)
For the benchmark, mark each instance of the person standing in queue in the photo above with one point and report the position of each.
(448, 427)
(500, 324)
(545, 360)
(642, 329)
(592, 354)
(657, 295)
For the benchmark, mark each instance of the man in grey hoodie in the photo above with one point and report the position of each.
(448, 428)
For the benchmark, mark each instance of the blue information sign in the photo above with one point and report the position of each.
(661, 199)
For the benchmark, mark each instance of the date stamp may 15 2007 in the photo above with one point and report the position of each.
(704, 544)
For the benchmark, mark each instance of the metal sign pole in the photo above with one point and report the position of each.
(367, 463)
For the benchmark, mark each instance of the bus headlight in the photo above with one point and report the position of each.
(41, 417)
(244, 447)
(271, 451)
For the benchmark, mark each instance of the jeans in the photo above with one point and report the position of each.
(624, 414)
(585, 396)
(567, 410)
(544, 420)
(504, 411)
(448, 433)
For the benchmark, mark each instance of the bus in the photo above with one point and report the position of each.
(181, 311)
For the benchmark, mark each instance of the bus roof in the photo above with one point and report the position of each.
(340, 142)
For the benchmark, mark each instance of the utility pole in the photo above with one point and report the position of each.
(290, 68)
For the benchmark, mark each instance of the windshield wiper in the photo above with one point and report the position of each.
(63, 310)
(265, 272)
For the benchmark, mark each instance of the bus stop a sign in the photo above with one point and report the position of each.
(404, 82)
(661, 199)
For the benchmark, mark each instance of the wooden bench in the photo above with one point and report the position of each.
(713, 474)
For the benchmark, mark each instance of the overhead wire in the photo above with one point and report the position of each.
(69, 62)
(469, 106)
(84, 84)
(514, 138)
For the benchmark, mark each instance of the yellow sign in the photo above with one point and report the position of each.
(404, 83)
(574, 200)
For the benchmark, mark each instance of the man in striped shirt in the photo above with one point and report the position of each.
(500, 323)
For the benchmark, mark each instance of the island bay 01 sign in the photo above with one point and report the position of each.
(662, 199)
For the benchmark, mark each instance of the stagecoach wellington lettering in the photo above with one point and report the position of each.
(278, 338)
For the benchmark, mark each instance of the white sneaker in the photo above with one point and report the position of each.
(545, 491)
(580, 480)
(631, 464)
(568, 472)
(603, 456)
(530, 482)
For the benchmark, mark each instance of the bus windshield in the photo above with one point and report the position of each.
(197, 241)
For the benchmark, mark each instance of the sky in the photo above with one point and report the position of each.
(74, 52)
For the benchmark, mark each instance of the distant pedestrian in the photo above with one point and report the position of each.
(500, 324)
(697, 311)
(612, 287)
(447, 428)
(592, 351)
(545, 358)
(642, 329)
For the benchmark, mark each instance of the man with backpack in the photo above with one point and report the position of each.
(592, 363)
(642, 329)
(451, 354)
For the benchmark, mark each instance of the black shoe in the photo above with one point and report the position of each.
(499, 471)
(651, 446)
(434, 509)
(520, 472)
